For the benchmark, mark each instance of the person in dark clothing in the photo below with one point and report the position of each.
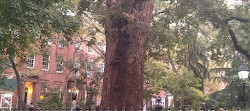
(31, 107)
(74, 106)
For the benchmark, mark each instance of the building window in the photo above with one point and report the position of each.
(59, 87)
(78, 44)
(31, 62)
(61, 42)
(45, 62)
(49, 41)
(90, 50)
(89, 74)
(44, 88)
(59, 67)
(89, 68)
(155, 102)
(102, 46)
(101, 67)
(60, 45)
(76, 73)
(77, 66)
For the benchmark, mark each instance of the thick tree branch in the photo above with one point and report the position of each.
(236, 44)
(244, 20)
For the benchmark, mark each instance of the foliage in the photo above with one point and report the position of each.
(27, 26)
(182, 84)
(4, 64)
(76, 69)
(232, 94)
(194, 33)
(177, 37)
(213, 85)
(52, 99)
(154, 74)
(32, 22)
(91, 86)
(79, 68)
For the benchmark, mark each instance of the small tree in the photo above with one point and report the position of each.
(90, 85)
(185, 88)
(52, 99)
(77, 66)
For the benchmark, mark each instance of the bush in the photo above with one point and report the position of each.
(52, 100)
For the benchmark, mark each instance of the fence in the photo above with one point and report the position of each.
(131, 109)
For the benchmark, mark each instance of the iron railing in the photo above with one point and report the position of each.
(130, 109)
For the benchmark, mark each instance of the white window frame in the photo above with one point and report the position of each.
(49, 41)
(48, 64)
(90, 51)
(61, 65)
(101, 69)
(154, 102)
(102, 46)
(89, 73)
(29, 61)
(78, 47)
(78, 44)
(77, 73)
(59, 45)
(77, 65)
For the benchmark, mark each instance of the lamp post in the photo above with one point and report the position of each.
(243, 75)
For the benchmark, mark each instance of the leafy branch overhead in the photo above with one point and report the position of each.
(24, 23)
(200, 35)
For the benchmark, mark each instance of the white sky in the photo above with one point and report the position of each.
(232, 3)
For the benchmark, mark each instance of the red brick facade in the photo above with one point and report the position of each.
(34, 78)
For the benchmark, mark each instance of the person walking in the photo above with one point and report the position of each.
(73, 105)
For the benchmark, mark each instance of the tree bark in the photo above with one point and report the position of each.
(19, 85)
(125, 28)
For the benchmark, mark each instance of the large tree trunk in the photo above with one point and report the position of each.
(126, 25)
(19, 85)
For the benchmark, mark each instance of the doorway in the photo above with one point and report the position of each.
(28, 92)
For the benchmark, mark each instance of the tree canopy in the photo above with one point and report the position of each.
(33, 22)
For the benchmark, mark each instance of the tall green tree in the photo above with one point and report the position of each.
(182, 33)
(201, 35)
(174, 39)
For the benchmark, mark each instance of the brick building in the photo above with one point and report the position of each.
(46, 70)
